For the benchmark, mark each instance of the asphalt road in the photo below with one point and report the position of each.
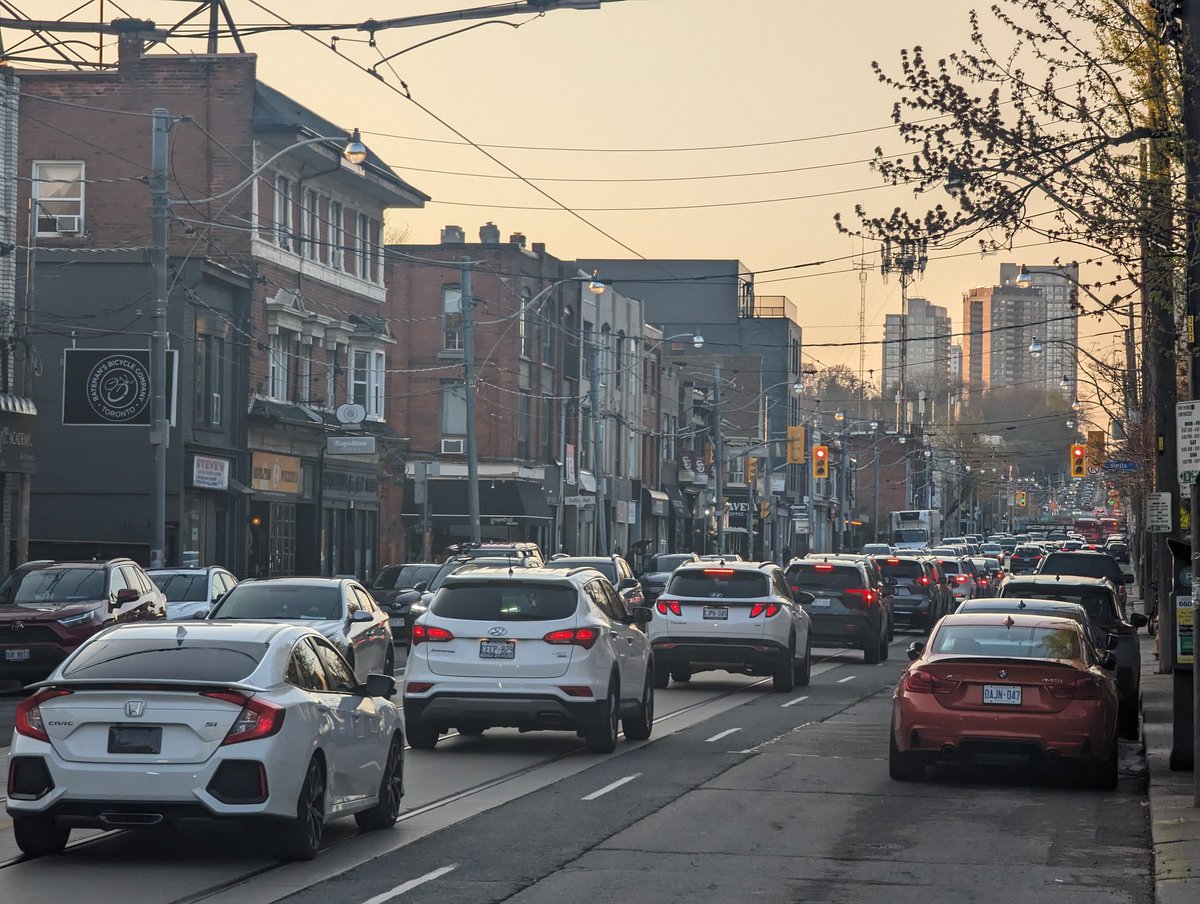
(739, 796)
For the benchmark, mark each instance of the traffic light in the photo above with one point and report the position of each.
(1022, 499)
(795, 445)
(820, 462)
(751, 470)
(1078, 463)
(764, 509)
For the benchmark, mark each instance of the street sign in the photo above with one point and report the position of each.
(1187, 441)
(1114, 464)
(1158, 513)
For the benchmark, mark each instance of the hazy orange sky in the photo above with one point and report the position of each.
(642, 76)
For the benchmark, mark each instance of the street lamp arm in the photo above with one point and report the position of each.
(536, 7)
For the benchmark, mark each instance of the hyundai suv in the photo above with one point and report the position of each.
(845, 608)
(47, 609)
(533, 649)
(736, 616)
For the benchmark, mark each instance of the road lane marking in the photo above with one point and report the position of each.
(411, 884)
(794, 702)
(613, 787)
(847, 678)
(724, 734)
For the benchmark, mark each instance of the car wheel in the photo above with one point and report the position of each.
(639, 727)
(600, 732)
(871, 649)
(903, 767)
(301, 837)
(39, 836)
(662, 676)
(783, 676)
(391, 789)
(885, 648)
(804, 669)
(683, 676)
(1127, 719)
(421, 737)
(389, 661)
(1104, 773)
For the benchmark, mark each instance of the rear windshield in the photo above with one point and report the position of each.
(182, 588)
(997, 640)
(52, 585)
(900, 569)
(949, 566)
(604, 566)
(667, 563)
(266, 600)
(143, 658)
(1097, 602)
(1027, 551)
(829, 577)
(505, 601)
(913, 535)
(718, 582)
(1090, 566)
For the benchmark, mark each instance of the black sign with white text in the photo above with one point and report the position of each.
(112, 387)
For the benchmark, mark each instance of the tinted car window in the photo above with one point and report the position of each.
(1096, 600)
(266, 600)
(341, 678)
(718, 582)
(998, 640)
(900, 569)
(182, 588)
(52, 585)
(304, 669)
(505, 601)
(831, 577)
(948, 566)
(145, 658)
(1090, 566)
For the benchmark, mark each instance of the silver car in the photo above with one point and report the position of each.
(192, 592)
(339, 608)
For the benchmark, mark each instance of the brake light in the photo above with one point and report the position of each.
(867, 596)
(575, 690)
(664, 606)
(29, 714)
(824, 568)
(1079, 689)
(961, 578)
(258, 718)
(579, 637)
(893, 561)
(768, 608)
(429, 634)
(923, 581)
(718, 571)
(918, 682)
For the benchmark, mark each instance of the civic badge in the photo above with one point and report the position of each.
(1003, 673)
(497, 631)
(135, 708)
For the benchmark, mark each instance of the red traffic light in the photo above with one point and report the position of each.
(819, 451)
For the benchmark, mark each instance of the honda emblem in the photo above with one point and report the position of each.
(135, 708)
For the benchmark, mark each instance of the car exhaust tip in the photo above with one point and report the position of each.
(949, 751)
(130, 820)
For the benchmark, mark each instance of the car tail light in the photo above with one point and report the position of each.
(718, 571)
(429, 634)
(768, 609)
(1036, 558)
(923, 581)
(961, 578)
(1079, 689)
(258, 718)
(29, 713)
(664, 606)
(579, 637)
(867, 596)
(893, 561)
(417, 687)
(824, 567)
(918, 682)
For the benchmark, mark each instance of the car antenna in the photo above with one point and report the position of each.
(180, 635)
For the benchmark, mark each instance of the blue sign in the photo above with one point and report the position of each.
(1113, 465)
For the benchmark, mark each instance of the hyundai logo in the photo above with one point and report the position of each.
(497, 631)
(135, 708)
(1003, 673)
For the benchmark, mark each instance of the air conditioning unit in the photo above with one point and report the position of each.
(68, 225)
(454, 447)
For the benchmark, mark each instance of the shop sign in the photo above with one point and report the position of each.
(16, 444)
(271, 473)
(501, 521)
(579, 501)
(210, 473)
(112, 387)
(1185, 630)
(350, 445)
(569, 465)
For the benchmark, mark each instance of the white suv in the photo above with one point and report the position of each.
(531, 649)
(736, 616)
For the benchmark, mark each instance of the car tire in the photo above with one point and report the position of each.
(39, 836)
(682, 676)
(1105, 774)
(662, 676)
(421, 737)
(804, 669)
(600, 732)
(903, 767)
(1127, 720)
(639, 727)
(871, 650)
(783, 676)
(885, 649)
(389, 661)
(391, 789)
(301, 837)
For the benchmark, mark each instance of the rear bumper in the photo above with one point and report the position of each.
(855, 629)
(911, 609)
(528, 711)
(700, 652)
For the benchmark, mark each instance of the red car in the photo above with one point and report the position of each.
(989, 685)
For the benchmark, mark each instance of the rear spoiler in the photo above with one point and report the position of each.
(147, 683)
(950, 657)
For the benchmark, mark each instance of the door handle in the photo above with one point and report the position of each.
(629, 640)
(614, 633)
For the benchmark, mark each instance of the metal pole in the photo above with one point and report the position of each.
(562, 475)
(875, 517)
(600, 537)
(468, 321)
(160, 428)
(718, 459)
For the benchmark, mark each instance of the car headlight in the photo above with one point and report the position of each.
(82, 618)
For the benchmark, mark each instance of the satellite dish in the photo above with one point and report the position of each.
(351, 413)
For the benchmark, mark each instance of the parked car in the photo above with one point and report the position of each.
(998, 685)
(394, 589)
(1087, 563)
(615, 568)
(149, 723)
(919, 599)
(192, 592)
(845, 607)
(658, 570)
(1103, 643)
(533, 649)
(339, 608)
(47, 609)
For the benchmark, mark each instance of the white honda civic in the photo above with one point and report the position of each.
(151, 722)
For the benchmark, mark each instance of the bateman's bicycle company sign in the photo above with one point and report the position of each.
(112, 387)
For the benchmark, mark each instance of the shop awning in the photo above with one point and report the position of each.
(656, 503)
(677, 503)
(518, 499)
(15, 404)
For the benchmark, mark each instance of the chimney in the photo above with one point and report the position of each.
(453, 235)
(539, 248)
(489, 233)
(132, 37)
(517, 239)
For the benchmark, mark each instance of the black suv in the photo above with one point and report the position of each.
(846, 607)
(918, 599)
(1025, 559)
(1087, 564)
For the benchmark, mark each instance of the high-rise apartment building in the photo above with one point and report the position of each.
(999, 323)
(928, 343)
(1059, 329)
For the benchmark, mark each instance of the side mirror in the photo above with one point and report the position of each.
(641, 615)
(362, 615)
(1109, 661)
(421, 586)
(127, 595)
(1111, 641)
(915, 650)
(378, 686)
(802, 597)
(1138, 620)
(1126, 579)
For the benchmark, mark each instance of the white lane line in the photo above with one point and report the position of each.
(847, 678)
(614, 786)
(411, 884)
(794, 702)
(724, 734)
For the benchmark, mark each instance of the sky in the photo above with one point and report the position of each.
(593, 107)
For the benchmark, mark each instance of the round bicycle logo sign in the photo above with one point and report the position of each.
(118, 388)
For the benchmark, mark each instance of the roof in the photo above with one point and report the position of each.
(1001, 619)
(1050, 580)
(515, 571)
(245, 631)
(302, 582)
(980, 604)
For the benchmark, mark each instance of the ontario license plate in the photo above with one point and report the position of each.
(1004, 694)
(717, 612)
(123, 739)
(822, 603)
(497, 649)
(16, 655)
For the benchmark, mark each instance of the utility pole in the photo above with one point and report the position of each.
(601, 535)
(718, 459)
(562, 475)
(467, 301)
(160, 430)
(908, 258)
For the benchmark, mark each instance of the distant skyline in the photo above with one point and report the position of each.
(778, 91)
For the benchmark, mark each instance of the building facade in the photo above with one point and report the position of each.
(998, 327)
(1059, 333)
(928, 365)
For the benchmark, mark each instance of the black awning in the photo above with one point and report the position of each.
(677, 503)
(497, 499)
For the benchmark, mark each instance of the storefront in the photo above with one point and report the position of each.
(275, 481)
(508, 510)
(349, 520)
(17, 416)
(212, 500)
(739, 523)
(656, 528)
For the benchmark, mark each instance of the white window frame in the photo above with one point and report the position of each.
(312, 224)
(337, 235)
(37, 196)
(277, 367)
(367, 374)
(363, 246)
(457, 345)
(454, 395)
(283, 212)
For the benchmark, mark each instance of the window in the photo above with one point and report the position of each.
(283, 211)
(278, 368)
(619, 376)
(549, 429)
(331, 376)
(312, 226)
(523, 415)
(525, 325)
(209, 380)
(304, 669)
(58, 197)
(549, 328)
(454, 410)
(341, 676)
(337, 235)
(366, 380)
(302, 355)
(501, 601)
(452, 340)
(363, 246)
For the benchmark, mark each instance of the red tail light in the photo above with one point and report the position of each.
(867, 596)
(579, 637)
(961, 578)
(768, 608)
(718, 571)
(417, 687)
(824, 567)
(664, 606)
(923, 581)
(29, 714)
(423, 634)
(258, 718)
(1079, 689)
(918, 682)
(893, 561)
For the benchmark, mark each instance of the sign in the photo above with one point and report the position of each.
(271, 473)
(1158, 513)
(210, 473)
(569, 465)
(1185, 631)
(579, 501)
(1187, 441)
(16, 444)
(110, 387)
(351, 413)
(350, 445)
(1118, 465)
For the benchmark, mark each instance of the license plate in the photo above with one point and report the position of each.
(497, 649)
(718, 612)
(1005, 694)
(822, 603)
(123, 739)
(16, 655)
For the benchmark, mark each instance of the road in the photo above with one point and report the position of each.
(741, 794)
